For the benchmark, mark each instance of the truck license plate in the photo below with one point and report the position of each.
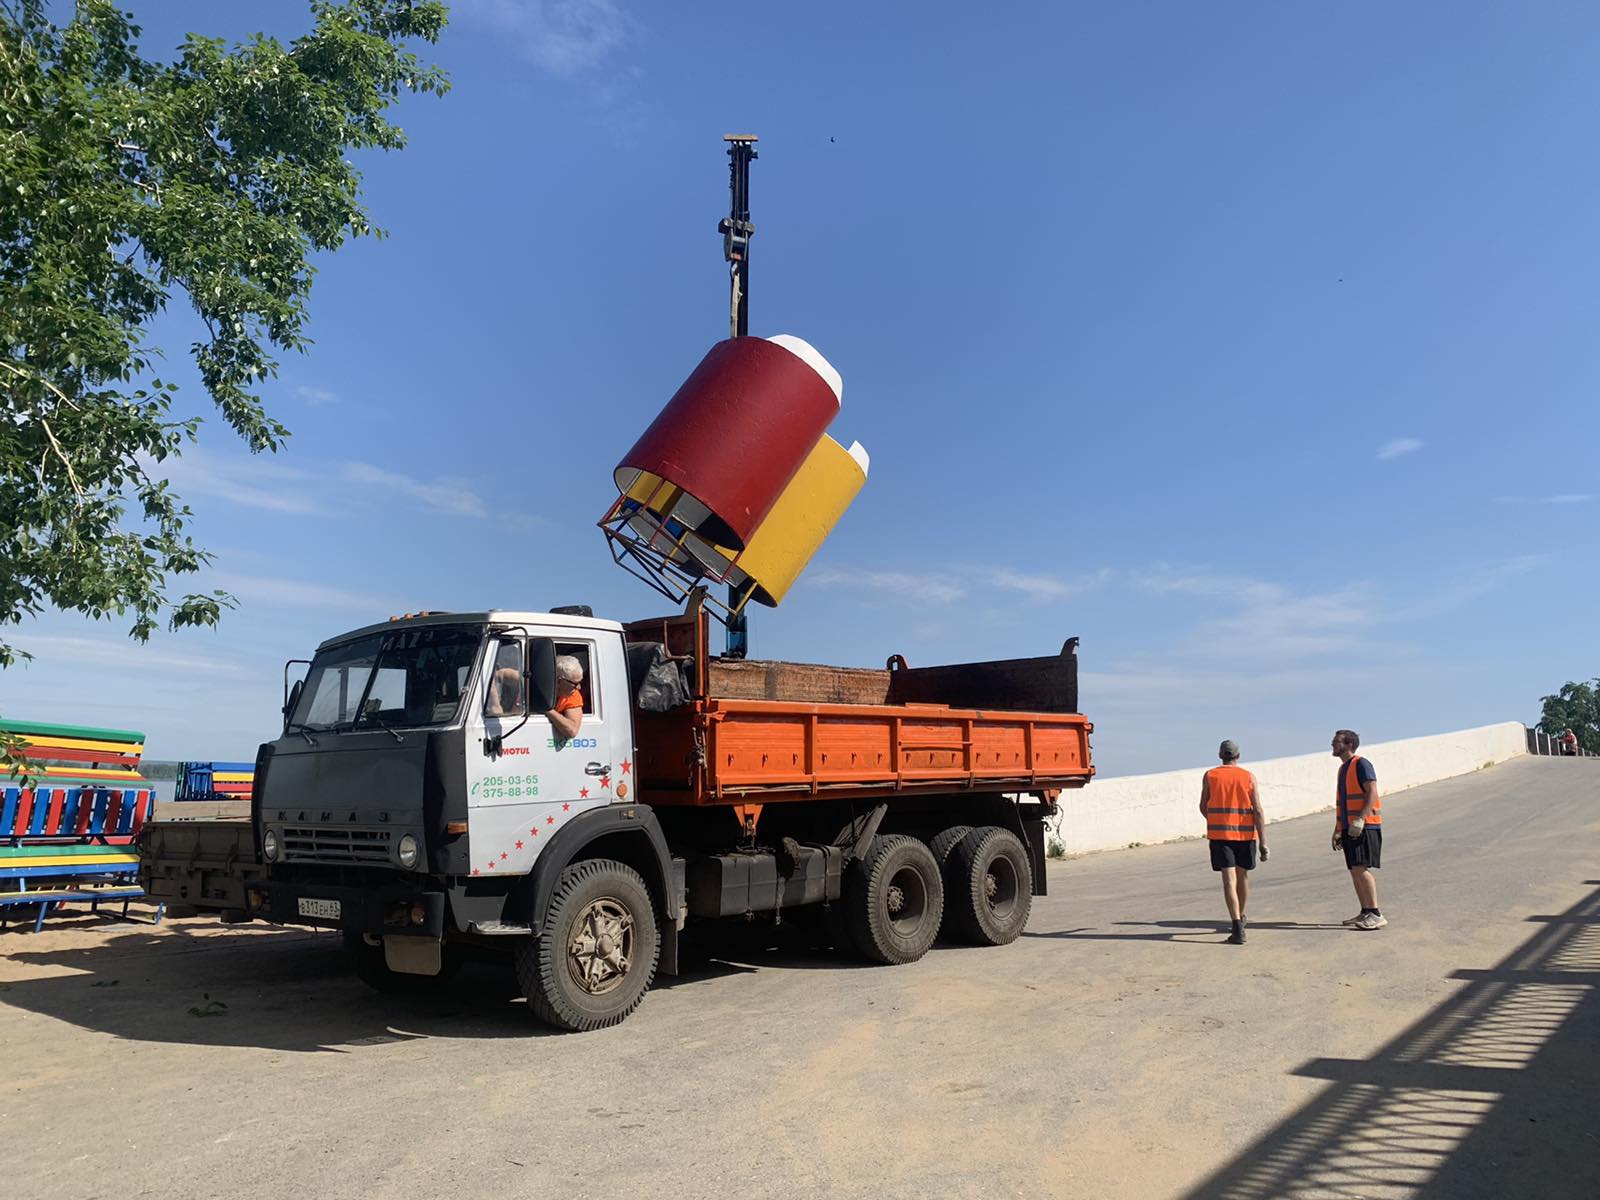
(327, 910)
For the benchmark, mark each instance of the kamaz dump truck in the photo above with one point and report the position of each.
(421, 801)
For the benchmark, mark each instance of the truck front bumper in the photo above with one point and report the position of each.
(396, 910)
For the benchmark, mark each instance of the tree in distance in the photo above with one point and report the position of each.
(125, 182)
(1576, 707)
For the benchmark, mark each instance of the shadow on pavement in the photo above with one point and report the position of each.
(291, 991)
(1195, 933)
(295, 990)
(1491, 1094)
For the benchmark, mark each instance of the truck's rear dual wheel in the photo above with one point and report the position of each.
(595, 955)
(990, 887)
(372, 968)
(896, 900)
(944, 843)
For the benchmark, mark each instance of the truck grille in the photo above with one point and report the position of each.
(335, 845)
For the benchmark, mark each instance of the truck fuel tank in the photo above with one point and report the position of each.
(730, 885)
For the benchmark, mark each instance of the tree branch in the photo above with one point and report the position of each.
(72, 476)
(37, 378)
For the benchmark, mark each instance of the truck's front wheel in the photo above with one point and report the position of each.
(595, 955)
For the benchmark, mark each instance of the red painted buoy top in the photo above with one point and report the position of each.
(736, 432)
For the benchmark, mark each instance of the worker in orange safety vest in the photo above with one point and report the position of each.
(1358, 826)
(1236, 827)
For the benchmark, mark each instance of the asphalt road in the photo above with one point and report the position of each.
(1119, 1049)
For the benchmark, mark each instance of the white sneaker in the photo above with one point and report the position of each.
(1370, 921)
(1355, 920)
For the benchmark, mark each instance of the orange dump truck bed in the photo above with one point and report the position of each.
(775, 731)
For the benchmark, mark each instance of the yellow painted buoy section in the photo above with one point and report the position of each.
(800, 520)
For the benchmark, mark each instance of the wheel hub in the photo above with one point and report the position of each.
(600, 950)
(897, 899)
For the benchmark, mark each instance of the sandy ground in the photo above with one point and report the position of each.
(1120, 1049)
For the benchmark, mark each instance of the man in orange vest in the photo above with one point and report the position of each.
(1358, 826)
(1235, 825)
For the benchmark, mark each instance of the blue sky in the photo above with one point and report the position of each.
(1252, 343)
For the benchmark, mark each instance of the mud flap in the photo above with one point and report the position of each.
(413, 955)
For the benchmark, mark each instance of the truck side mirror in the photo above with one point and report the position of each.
(292, 699)
(540, 675)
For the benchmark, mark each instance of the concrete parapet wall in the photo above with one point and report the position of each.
(1142, 809)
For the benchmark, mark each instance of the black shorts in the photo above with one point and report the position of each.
(1233, 854)
(1364, 850)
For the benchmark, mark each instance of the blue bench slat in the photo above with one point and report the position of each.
(41, 808)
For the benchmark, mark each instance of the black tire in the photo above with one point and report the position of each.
(373, 969)
(991, 887)
(897, 902)
(600, 912)
(945, 841)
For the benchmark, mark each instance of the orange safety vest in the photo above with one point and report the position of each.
(1352, 799)
(1229, 817)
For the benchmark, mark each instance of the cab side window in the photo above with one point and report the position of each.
(584, 653)
(504, 697)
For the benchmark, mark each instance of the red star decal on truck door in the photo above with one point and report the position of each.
(566, 808)
(549, 820)
(583, 793)
(605, 781)
(625, 765)
(503, 856)
(519, 845)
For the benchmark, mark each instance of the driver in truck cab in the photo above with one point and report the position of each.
(505, 693)
(567, 715)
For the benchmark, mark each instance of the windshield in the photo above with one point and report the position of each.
(407, 677)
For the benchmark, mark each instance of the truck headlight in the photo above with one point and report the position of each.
(407, 851)
(269, 845)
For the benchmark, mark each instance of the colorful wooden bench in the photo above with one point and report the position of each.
(66, 827)
(215, 780)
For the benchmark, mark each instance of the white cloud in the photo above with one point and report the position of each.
(1479, 582)
(291, 593)
(943, 587)
(1042, 587)
(316, 397)
(934, 587)
(1270, 620)
(444, 496)
(252, 481)
(1563, 498)
(119, 652)
(564, 37)
(1399, 446)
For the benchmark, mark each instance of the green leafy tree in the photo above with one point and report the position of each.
(126, 183)
(1576, 707)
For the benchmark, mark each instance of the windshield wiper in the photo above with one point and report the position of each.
(302, 729)
(380, 723)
